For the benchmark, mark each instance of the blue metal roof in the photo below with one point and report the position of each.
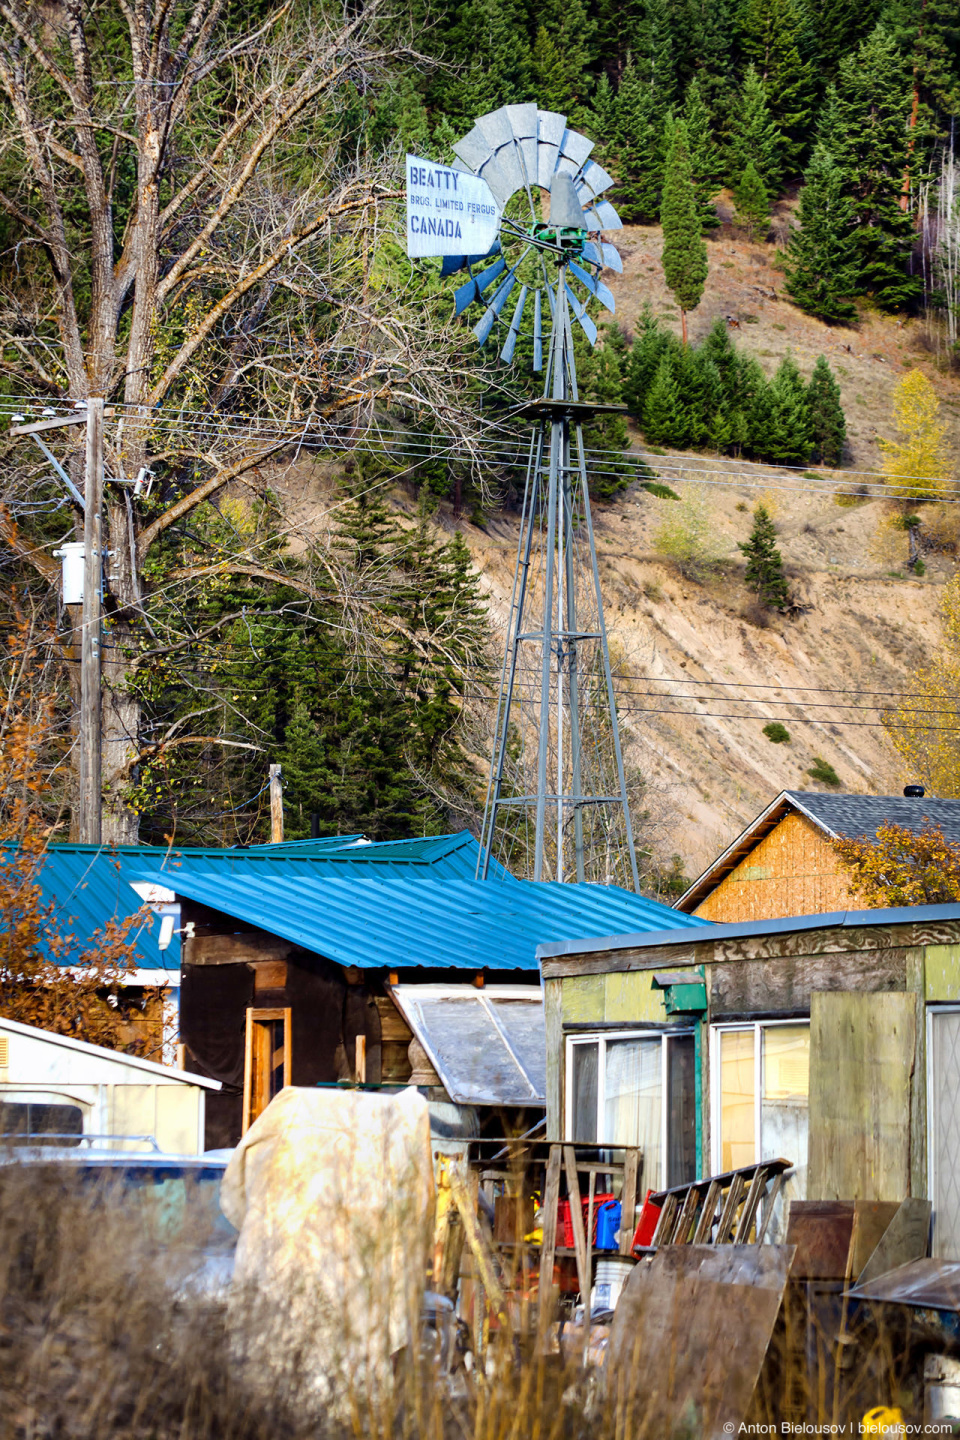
(395, 923)
(90, 884)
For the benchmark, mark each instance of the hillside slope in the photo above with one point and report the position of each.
(711, 768)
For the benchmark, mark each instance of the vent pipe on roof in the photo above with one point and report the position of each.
(913, 792)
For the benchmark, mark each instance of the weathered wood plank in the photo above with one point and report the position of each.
(746, 987)
(552, 1018)
(862, 1050)
(836, 939)
(628, 1197)
(548, 1247)
(918, 1092)
(580, 1242)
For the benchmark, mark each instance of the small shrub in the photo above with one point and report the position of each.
(686, 538)
(919, 568)
(662, 492)
(653, 590)
(742, 507)
(822, 771)
(776, 733)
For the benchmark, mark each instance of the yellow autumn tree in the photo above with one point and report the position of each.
(925, 727)
(918, 462)
(902, 867)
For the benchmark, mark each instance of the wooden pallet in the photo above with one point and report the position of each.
(720, 1209)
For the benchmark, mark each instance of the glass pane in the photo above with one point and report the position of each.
(585, 1093)
(737, 1100)
(634, 1101)
(681, 1113)
(784, 1105)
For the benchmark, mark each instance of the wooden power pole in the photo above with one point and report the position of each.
(90, 711)
(276, 806)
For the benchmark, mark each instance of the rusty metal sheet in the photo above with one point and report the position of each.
(675, 1350)
(930, 1284)
(821, 1230)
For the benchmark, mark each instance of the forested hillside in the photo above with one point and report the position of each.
(199, 219)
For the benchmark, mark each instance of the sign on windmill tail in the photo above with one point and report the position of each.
(448, 211)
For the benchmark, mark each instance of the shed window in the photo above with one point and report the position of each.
(760, 1101)
(267, 1060)
(636, 1089)
(38, 1118)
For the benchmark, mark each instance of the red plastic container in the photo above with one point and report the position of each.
(647, 1223)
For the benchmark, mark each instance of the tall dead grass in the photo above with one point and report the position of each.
(102, 1338)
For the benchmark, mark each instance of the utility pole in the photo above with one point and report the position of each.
(276, 806)
(91, 413)
(90, 696)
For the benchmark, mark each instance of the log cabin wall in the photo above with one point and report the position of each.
(791, 871)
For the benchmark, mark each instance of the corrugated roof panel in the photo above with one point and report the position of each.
(90, 884)
(395, 923)
(488, 1047)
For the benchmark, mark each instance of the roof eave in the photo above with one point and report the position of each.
(735, 852)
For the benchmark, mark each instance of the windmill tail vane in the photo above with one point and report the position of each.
(557, 803)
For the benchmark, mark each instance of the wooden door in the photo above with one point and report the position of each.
(267, 1060)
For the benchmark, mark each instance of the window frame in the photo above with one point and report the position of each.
(600, 1038)
(257, 1016)
(716, 1077)
(933, 1008)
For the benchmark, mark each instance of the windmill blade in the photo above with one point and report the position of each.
(574, 150)
(474, 288)
(510, 344)
(611, 258)
(495, 128)
(593, 181)
(537, 332)
(586, 324)
(502, 174)
(603, 217)
(596, 287)
(525, 123)
(607, 257)
(551, 132)
(485, 324)
(473, 150)
(452, 263)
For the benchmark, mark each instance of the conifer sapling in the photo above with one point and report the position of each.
(764, 573)
(684, 251)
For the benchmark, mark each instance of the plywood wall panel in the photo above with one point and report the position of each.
(862, 1055)
(791, 871)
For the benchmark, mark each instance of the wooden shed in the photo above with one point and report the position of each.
(832, 1040)
(784, 863)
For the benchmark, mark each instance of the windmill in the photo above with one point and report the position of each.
(557, 796)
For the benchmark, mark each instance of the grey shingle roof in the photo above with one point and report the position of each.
(857, 815)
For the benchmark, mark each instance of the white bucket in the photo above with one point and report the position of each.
(941, 1376)
(611, 1277)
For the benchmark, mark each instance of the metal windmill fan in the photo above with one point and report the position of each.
(557, 796)
(520, 151)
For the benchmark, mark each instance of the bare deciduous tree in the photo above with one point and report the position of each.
(188, 235)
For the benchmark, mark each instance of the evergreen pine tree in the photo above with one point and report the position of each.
(840, 25)
(638, 142)
(828, 426)
(772, 39)
(864, 126)
(788, 439)
(754, 137)
(764, 570)
(684, 256)
(753, 203)
(650, 343)
(707, 32)
(561, 58)
(486, 43)
(663, 420)
(821, 261)
(705, 160)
